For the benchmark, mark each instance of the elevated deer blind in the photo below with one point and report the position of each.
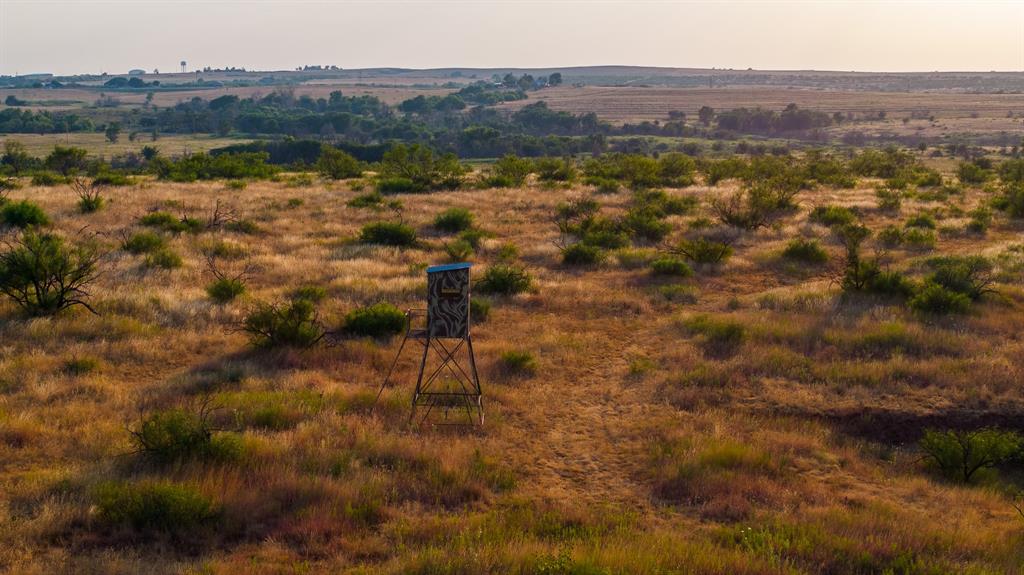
(447, 392)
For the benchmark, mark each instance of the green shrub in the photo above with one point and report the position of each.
(891, 236)
(43, 275)
(159, 506)
(582, 254)
(380, 320)
(806, 251)
(504, 279)
(704, 250)
(458, 250)
(919, 239)
(962, 454)
(283, 325)
(678, 293)
(236, 184)
(81, 365)
(310, 293)
(518, 363)
(479, 309)
(555, 169)
(370, 199)
(645, 224)
(143, 243)
(921, 221)
(890, 283)
(832, 216)
(388, 234)
(934, 298)
(163, 258)
(168, 223)
(23, 214)
(176, 435)
(889, 199)
(971, 173)
(47, 179)
(510, 172)
(243, 226)
(223, 290)
(454, 220)
(981, 220)
(671, 266)
(337, 165)
(396, 186)
(720, 337)
(971, 276)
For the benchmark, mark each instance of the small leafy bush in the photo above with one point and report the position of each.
(961, 454)
(397, 185)
(81, 365)
(919, 238)
(243, 226)
(454, 220)
(671, 266)
(223, 290)
(283, 325)
(23, 214)
(935, 299)
(168, 223)
(143, 243)
(459, 250)
(704, 250)
(806, 251)
(157, 506)
(380, 320)
(832, 216)
(720, 337)
(971, 276)
(582, 254)
(47, 179)
(518, 363)
(504, 279)
(479, 310)
(44, 275)
(163, 258)
(926, 221)
(388, 234)
(177, 435)
(310, 293)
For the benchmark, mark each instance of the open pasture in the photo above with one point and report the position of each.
(711, 422)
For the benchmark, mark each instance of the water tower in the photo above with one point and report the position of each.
(183, 66)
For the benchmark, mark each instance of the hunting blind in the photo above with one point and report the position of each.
(446, 391)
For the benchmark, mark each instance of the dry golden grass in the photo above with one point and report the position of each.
(632, 449)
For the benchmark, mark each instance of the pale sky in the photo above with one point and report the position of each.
(79, 36)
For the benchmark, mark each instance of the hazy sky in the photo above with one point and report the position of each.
(69, 36)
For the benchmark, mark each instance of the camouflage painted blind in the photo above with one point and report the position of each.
(448, 300)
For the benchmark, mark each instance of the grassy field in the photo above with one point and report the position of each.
(748, 419)
(955, 111)
(97, 144)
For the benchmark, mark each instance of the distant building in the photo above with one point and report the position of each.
(136, 72)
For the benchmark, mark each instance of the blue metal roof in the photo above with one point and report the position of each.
(448, 267)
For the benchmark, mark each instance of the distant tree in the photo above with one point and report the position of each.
(150, 152)
(706, 114)
(525, 82)
(13, 100)
(16, 156)
(555, 79)
(113, 132)
(66, 160)
(510, 81)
